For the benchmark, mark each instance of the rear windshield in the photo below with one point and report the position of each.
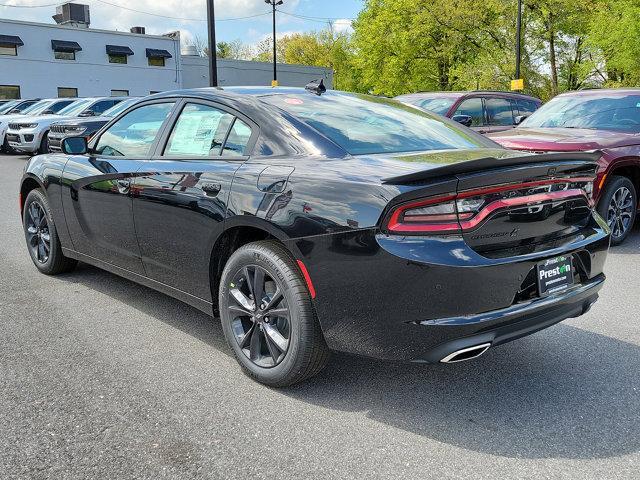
(436, 105)
(613, 112)
(363, 124)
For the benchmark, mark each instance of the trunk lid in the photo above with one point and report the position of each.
(502, 207)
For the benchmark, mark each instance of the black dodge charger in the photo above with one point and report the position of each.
(312, 220)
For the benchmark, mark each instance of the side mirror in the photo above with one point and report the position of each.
(88, 113)
(519, 119)
(465, 120)
(74, 146)
(15, 110)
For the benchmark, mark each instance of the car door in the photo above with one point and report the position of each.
(98, 202)
(473, 107)
(181, 195)
(499, 114)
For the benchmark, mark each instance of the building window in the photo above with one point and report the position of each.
(67, 92)
(156, 61)
(9, 92)
(64, 55)
(117, 59)
(119, 93)
(10, 50)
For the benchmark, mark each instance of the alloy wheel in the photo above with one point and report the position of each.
(260, 317)
(620, 212)
(38, 233)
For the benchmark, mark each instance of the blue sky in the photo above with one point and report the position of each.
(250, 31)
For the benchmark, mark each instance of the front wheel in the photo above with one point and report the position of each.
(617, 206)
(44, 144)
(267, 316)
(42, 237)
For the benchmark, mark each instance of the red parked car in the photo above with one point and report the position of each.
(483, 111)
(604, 120)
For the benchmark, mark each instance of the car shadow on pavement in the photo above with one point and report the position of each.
(172, 312)
(561, 393)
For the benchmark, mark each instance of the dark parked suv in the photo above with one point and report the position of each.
(485, 112)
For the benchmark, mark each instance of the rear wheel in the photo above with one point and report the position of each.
(42, 237)
(267, 316)
(617, 206)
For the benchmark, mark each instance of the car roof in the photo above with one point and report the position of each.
(461, 94)
(597, 92)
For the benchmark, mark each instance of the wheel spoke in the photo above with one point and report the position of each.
(242, 299)
(273, 348)
(258, 285)
(274, 335)
(254, 345)
(279, 312)
(248, 279)
(32, 230)
(275, 299)
(240, 310)
(244, 343)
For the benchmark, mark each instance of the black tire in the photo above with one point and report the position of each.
(44, 143)
(6, 148)
(51, 261)
(617, 205)
(306, 351)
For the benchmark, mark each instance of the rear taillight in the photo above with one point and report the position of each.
(465, 210)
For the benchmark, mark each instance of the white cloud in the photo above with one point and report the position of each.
(343, 25)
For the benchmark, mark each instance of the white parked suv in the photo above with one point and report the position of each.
(19, 109)
(30, 135)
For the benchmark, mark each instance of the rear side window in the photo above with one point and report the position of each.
(237, 140)
(499, 112)
(134, 133)
(473, 108)
(201, 131)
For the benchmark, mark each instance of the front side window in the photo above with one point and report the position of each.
(102, 106)
(199, 132)
(499, 112)
(55, 107)
(64, 92)
(115, 58)
(10, 50)
(473, 108)
(363, 124)
(133, 135)
(9, 91)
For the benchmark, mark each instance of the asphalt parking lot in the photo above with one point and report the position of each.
(102, 378)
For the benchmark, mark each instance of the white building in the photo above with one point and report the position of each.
(49, 60)
(40, 60)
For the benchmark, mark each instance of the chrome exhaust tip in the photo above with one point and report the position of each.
(465, 354)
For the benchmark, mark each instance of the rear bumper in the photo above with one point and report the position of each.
(502, 326)
(421, 298)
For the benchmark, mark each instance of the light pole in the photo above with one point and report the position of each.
(274, 4)
(518, 38)
(213, 55)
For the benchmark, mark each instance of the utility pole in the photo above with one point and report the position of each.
(213, 56)
(518, 38)
(274, 4)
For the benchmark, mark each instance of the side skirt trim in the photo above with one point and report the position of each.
(196, 302)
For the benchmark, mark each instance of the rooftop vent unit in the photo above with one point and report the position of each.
(139, 30)
(73, 14)
(189, 51)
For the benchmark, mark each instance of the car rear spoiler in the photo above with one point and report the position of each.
(490, 163)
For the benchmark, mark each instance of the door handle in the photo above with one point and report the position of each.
(211, 189)
(123, 186)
